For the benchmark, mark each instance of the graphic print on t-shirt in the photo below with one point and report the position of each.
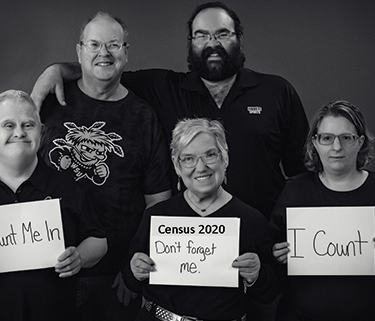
(84, 150)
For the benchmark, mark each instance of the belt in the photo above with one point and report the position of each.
(166, 315)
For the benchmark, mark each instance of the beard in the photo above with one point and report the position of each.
(231, 62)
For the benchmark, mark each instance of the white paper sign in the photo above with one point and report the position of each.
(331, 241)
(194, 251)
(31, 235)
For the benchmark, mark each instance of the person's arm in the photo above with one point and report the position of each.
(296, 128)
(278, 224)
(124, 294)
(138, 249)
(152, 199)
(85, 255)
(52, 81)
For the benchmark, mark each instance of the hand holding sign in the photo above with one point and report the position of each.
(248, 265)
(69, 263)
(280, 252)
(141, 265)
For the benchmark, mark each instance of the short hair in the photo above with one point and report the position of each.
(20, 95)
(238, 28)
(105, 14)
(187, 129)
(354, 115)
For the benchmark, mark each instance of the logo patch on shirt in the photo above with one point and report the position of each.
(84, 151)
(254, 110)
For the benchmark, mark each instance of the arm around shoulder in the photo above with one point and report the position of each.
(51, 81)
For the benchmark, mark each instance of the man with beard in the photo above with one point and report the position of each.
(263, 116)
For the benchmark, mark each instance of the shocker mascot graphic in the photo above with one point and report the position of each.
(84, 151)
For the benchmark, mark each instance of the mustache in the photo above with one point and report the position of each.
(217, 50)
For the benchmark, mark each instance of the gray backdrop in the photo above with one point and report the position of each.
(325, 48)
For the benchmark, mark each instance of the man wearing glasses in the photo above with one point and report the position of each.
(263, 116)
(111, 143)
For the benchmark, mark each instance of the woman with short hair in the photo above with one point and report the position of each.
(200, 158)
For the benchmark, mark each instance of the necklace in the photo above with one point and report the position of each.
(202, 209)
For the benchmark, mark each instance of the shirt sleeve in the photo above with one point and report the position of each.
(258, 228)
(139, 243)
(295, 133)
(157, 169)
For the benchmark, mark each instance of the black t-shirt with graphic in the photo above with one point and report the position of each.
(116, 151)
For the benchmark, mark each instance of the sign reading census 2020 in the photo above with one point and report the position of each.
(194, 251)
(31, 235)
(331, 241)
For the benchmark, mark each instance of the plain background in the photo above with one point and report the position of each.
(325, 48)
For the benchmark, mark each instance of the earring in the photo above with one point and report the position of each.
(179, 183)
(225, 177)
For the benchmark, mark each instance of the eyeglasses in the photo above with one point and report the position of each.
(328, 139)
(202, 38)
(96, 46)
(191, 161)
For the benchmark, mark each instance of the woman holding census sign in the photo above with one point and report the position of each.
(200, 157)
(337, 149)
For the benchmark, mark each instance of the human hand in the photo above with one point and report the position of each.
(141, 265)
(124, 295)
(69, 262)
(280, 252)
(248, 265)
(49, 82)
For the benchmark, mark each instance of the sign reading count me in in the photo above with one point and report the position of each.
(31, 235)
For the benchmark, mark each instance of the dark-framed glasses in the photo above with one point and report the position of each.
(190, 161)
(328, 139)
(96, 46)
(201, 37)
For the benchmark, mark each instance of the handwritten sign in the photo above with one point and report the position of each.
(331, 241)
(31, 235)
(194, 251)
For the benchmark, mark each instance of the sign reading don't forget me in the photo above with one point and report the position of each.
(194, 251)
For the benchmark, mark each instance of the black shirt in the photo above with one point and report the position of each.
(263, 117)
(41, 294)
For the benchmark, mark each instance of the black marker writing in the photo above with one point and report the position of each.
(333, 249)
